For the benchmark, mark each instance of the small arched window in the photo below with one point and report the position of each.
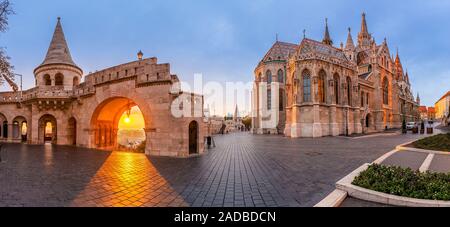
(269, 76)
(385, 91)
(59, 79)
(76, 81)
(321, 87)
(336, 88)
(280, 76)
(349, 91)
(47, 80)
(306, 86)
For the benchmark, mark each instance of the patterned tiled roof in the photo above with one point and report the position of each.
(313, 49)
(280, 51)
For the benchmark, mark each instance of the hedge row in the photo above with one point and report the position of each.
(405, 182)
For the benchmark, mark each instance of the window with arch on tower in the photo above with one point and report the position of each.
(59, 79)
(47, 80)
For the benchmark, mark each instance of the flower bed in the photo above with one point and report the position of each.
(439, 142)
(405, 182)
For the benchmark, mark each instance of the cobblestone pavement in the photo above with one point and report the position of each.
(243, 170)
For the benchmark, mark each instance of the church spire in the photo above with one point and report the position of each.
(58, 51)
(364, 29)
(349, 45)
(398, 67)
(327, 39)
(364, 37)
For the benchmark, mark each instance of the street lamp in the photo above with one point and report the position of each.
(21, 78)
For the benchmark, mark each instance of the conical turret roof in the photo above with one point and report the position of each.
(58, 51)
(349, 45)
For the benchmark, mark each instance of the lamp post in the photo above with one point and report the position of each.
(21, 78)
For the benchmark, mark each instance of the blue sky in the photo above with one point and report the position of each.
(224, 40)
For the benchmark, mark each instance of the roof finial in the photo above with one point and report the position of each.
(276, 37)
(59, 18)
(304, 33)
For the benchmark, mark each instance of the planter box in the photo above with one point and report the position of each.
(415, 130)
(422, 131)
(429, 130)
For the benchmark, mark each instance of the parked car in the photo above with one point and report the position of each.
(411, 125)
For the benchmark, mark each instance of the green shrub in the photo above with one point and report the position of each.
(439, 142)
(405, 182)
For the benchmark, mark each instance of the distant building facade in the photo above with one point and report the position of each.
(442, 108)
(62, 110)
(315, 89)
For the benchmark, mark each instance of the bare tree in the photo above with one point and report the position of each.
(6, 69)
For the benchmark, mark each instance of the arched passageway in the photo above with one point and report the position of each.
(193, 137)
(3, 127)
(118, 124)
(47, 131)
(20, 129)
(72, 131)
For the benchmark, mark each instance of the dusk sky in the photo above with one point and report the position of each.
(224, 40)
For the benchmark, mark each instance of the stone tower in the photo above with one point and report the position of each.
(58, 68)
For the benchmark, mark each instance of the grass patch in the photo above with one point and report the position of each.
(405, 182)
(439, 142)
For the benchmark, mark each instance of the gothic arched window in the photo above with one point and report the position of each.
(349, 91)
(336, 88)
(385, 91)
(306, 86)
(280, 76)
(322, 87)
(281, 100)
(269, 76)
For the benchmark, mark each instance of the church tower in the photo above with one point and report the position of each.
(58, 68)
(364, 38)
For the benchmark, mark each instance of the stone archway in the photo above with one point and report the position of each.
(3, 127)
(20, 129)
(72, 131)
(47, 131)
(193, 137)
(104, 125)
